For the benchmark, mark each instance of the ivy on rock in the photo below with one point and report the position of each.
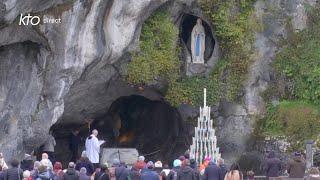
(158, 57)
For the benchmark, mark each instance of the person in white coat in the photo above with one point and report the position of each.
(93, 148)
(3, 163)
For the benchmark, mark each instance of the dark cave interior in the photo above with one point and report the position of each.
(153, 127)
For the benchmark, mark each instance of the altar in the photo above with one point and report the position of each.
(127, 155)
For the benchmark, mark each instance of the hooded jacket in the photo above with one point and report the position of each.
(296, 167)
(149, 175)
(273, 166)
(186, 173)
(71, 174)
(174, 172)
(212, 172)
(13, 174)
(46, 175)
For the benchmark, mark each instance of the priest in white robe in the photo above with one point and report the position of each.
(93, 147)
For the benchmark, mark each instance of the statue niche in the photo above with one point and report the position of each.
(198, 42)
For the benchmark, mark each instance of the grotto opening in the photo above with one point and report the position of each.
(153, 127)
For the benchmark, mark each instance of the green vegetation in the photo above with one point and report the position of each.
(158, 56)
(299, 63)
(296, 120)
(234, 26)
(190, 90)
(298, 69)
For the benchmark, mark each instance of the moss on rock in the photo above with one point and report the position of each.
(158, 55)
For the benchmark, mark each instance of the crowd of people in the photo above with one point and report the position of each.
(88, 167)
(183, 168)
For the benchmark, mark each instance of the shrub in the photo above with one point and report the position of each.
(297, 120)
(158, 55)
(234, 30)
(299, 62)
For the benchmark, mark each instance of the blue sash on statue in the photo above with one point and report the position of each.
(198, 44)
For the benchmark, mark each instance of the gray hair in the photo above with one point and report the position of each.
(83, 170)
(141, 158)
(84, 154)
(221, 161)
(36, 164)
(71, 165)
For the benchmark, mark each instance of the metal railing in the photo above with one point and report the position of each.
(277, 178)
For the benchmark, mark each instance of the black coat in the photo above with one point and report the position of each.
(186, 173)
(212, 172)
(273, 167)
(122, 173)
(85, 162)
(172, 173)
(135, 174)
(104, 177)
(1, 175)
(149, 175)
(74, 142)
(27, 164)
(71, 174)
(223, 171)
(13, 174)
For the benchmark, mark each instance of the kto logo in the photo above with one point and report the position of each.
(28, 19)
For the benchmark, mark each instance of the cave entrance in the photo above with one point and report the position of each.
(153, 127)
(187, 23)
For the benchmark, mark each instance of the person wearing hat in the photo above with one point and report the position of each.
(158, 167)
(149, 173)
(296, 166)
(186, 172)
(173, 174)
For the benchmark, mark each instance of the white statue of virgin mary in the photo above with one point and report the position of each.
(198, 42)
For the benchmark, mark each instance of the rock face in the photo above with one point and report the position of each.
(69, 71)
(48, 67)
(235, 121)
